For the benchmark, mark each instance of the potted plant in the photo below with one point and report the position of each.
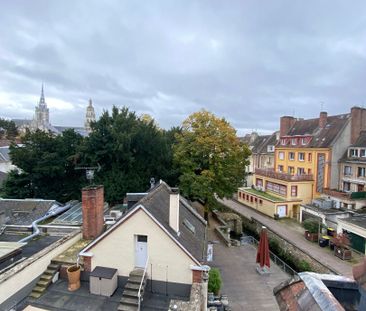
(73, 275)
(311, 227)
(341, 244)
(214, 281)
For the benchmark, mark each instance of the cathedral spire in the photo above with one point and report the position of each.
(42, 100)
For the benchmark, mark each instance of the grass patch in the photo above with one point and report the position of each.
(264, 195)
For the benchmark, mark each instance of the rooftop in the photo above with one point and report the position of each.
(271, 173)
(358, 220)
(263, 194)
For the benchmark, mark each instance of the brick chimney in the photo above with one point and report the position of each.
(358, 122)
(323, 119)
(286, 122)
(93, 211)
(174, 209)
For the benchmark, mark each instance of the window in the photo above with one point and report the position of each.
(277, 188)
(259, 182)
(347, 170)
(280, 168)
(293, 141)
(310, 157)
(303, 141)
(260, 202)
(361, 172)
(270, 148)
(283, 142)
(291, 156)
(291, 170)
(353, 152)
(300, 171)
(346, 186)
(301, 156)
(294, 191)
(281, 155)
(363, 153)
(189, 226)
(142, 238)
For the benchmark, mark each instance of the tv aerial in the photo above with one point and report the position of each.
(89, 171)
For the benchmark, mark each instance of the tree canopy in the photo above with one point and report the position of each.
(8, 129)
(210, 157)
(47, 167)
(130, 150)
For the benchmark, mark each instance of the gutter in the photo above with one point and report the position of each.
(53, 211)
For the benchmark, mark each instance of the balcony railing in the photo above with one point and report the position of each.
(345, 195)
(271, 173)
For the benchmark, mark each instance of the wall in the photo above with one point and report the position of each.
(312, 165)
(17, 283)
(117, 250)
(339, 148)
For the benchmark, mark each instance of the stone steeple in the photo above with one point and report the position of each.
(41, 118)
(90, 116)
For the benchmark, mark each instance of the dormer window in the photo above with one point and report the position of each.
(363, 153)
(283, 142)
(294, 141)
(353, 153)
(304, 141)
(270, 148)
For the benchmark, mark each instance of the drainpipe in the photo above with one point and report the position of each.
(53, 211)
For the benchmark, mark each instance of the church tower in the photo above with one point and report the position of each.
(90, 116)
(41, 118)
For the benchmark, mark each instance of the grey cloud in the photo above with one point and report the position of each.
(248, 61)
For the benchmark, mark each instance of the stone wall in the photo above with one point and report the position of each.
(195, 302)
(255, 225)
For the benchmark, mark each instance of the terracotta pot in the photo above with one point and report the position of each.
(73, 275)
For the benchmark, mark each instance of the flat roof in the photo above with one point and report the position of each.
(359, 221)
(7, 248)
(263, 195)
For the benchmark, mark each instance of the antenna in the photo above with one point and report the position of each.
(89, 171)
(321, 106)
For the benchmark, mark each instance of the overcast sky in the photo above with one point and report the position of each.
(248, 61)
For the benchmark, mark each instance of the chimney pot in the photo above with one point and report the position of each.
(323, 119)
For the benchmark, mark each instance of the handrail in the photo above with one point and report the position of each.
(142, 280)
(278, 261)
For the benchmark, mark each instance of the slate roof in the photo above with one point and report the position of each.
(4, 154)
(266, 140)
(361, 140)
(157, 203)
(321, 137)
(259, 142)
(24, 212)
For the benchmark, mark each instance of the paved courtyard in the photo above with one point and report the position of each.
(247, 290)
(297, 238)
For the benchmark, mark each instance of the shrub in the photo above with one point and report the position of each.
(214, 281)
(311, 225)
(303, 266)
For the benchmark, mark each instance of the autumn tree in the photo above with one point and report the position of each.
(210, 157)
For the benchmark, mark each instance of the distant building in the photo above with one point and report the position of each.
(41, 120)
(306, 162)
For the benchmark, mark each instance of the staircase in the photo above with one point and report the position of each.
(129, 300)
(44, 281)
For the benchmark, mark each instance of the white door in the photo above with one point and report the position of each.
(141, 251)
(281, 210)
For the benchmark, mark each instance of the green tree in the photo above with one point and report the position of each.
(8, 129)
(210, 157)
(130, 150)
(47, 167)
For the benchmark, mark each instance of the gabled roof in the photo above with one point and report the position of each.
(259, 142)
(156, 205)
(321, 137)
(4, 154)
(268, 140)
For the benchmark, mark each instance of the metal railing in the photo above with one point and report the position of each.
(142, 281)
(271, 173)
(278, 261)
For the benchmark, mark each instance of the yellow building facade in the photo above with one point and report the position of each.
(305, 161)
